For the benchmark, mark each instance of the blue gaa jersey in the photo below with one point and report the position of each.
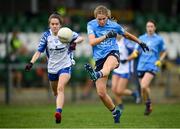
(147, 59)
(102, 49)
(57, 52)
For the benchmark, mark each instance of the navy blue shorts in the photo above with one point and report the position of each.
(100, 62)
(140, 74)
(55, 77)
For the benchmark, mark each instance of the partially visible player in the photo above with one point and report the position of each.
(149, 63)
(122, 74)
(59, 60)
(102, 33)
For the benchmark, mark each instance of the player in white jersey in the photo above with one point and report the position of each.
(122, 74)
(59, 60)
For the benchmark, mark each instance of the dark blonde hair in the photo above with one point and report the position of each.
(102, 10)
(110, 17)
(57, 16)
(109, 14)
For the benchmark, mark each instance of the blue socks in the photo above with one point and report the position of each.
(121, 106)
(59, 110)
(99, 74)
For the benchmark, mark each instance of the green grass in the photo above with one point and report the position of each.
(88, 116)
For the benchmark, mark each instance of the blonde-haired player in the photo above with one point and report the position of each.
(102, 32)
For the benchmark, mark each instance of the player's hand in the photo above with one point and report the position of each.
(111, 34)
(28, 66)
(144, 46)
(72, 46)
(158, 63)
(123, 61)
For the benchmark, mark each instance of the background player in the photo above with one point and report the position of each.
(149, 63)
(122, 74)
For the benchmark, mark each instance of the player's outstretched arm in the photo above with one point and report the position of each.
(79, 39)
(135, 39)
(73, 43)
(28, 66)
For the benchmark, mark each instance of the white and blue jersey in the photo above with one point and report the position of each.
(57, 52)
(147, 59)
(105, 47)
(126, 47)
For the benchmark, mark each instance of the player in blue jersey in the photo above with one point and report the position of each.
(149, 63)
(59, 60)
(102, 33)
(123, 73)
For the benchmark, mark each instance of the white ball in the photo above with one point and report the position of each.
(65, 35)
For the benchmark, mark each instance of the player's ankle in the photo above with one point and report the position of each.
(59, 110)
(121, 106)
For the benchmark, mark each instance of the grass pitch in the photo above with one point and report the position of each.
(88, 116)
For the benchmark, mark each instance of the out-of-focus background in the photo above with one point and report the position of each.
(23, 21)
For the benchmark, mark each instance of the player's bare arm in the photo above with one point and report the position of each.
(131, 37)
(80, 39)
(35, 57)
(94, 41)
(135, 39)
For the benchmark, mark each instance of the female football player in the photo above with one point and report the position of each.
(59, 60)
(102, 37)
(149, 63)
(122, 74)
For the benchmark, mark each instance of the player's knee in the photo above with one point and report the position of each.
(101, 94)
(60, 89)
(106, 71)
(116, 65)
(113, 89)
(144, 87)
(118, 92)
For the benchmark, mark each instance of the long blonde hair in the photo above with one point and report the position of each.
(101, 10)
(105, 11)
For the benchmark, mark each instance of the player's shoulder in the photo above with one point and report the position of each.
(143, 36)
(112, 23)
(92, 22)
(158, 36)
(46, 33)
